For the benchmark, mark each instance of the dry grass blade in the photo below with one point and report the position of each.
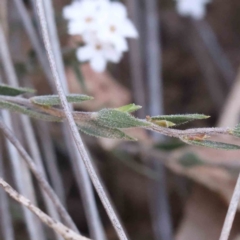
(58, 227)
(73, 127)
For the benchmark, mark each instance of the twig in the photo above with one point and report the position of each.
(79, 116)
(42, 181)
(189, 132)
(73, 127)
(82, 178)
(232, 209)
(56, 226)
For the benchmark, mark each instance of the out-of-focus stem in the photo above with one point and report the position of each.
(5, 220)
(159, 203)
(50, 159)
(21, 174)
(232, 209)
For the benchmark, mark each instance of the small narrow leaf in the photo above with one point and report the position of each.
(92, 128)
(236, 131)
(34, 114)
(51, 100)
(129, 108)
(178, 119)
(12, 91)
(211, 144)
(115, 119)
(163, 123)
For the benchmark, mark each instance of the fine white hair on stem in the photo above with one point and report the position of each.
(232, 209)
(58, 227)
(73, 127)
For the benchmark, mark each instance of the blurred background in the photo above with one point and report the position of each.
(161, 188)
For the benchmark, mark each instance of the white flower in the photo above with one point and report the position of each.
(193, 8)
(103, 26)
(115, 27)
(82, 16)
(98, 54)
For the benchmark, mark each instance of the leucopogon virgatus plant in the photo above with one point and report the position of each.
(103, 26)
(111, 123)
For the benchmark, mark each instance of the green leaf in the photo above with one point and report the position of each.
(179, 118)
(12, 91)
(129, 108)
(51, 100)
(211, 144)
(236, 131)
(189, 160)
(163, 123)
(20, 109)
(115, 119)
(92, 128)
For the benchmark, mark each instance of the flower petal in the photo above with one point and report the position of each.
(85, 53)
(120, 43)
(128, 29)
(112, 55)
(76, 27)
(118, 10)
(98, 63)
(71, 11)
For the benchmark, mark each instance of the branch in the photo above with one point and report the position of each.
(56, 226)
(73, 127)
(39, 176)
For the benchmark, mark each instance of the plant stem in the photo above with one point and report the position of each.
(22, 176)
(58, 227)
(232, 209)
(73, 126)
(38, 174)
(51, 160)
(5, 220)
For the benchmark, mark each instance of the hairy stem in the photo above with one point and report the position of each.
(73, 127)
(58, 227)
